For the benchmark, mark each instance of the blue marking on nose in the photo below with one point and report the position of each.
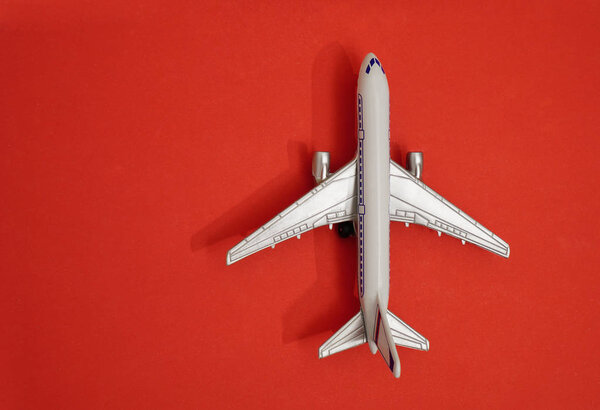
(372, 63)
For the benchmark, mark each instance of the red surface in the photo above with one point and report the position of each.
(141, 141)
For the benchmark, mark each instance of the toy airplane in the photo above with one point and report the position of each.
(369, 192)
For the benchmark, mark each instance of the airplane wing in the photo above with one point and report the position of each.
(411, 201)
(332, 201)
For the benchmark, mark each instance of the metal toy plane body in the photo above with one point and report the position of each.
(371, 191)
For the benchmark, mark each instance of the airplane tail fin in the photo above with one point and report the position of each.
(382, 336)
(391, 331)
(350, 335)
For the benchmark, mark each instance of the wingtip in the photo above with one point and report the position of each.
(229, 261)
(503, 247)
(505, 250)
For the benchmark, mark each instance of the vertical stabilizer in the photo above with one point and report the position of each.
(382, 336)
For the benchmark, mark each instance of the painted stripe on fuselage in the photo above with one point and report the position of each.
(361, 199)
(377, 323)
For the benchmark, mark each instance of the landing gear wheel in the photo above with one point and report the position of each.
(346, 229)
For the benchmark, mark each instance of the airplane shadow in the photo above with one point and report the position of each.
(333, 129)
(281, 193)
(332, 299)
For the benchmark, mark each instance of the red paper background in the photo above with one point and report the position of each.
(141, 141)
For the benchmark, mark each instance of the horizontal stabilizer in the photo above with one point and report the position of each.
(350, 335)
(404, 335)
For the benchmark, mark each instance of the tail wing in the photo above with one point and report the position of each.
(389, 331)
(350, 335)
(404, 335)
(382, 336)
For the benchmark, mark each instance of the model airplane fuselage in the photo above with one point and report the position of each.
(373, 227)
(371, 191)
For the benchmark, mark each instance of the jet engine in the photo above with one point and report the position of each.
(320, 166)
(414, 163)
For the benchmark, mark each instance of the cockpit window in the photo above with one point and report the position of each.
(373, 62)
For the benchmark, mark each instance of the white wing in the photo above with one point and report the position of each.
(333, 201)
(411, 201)
(350, 335)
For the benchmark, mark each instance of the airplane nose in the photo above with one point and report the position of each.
(370, 63)
(369, 57)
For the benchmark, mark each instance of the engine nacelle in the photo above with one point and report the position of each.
(414, 163)
(320, 166)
